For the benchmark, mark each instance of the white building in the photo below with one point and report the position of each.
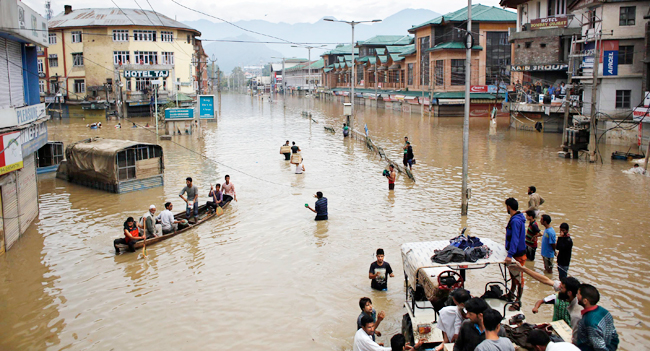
(305, 76)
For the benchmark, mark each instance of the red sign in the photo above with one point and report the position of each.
(640, 137)
(478, 89)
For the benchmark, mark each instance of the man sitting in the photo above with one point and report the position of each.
(131, 235)
(166, 218)
(217, 197)
(148, 223)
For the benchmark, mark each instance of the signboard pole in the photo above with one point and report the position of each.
(593, 157)
(156, 115)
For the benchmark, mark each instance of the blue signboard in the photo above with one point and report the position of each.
(179, 114)
(206, 106)
(33, 138)
(610, 63)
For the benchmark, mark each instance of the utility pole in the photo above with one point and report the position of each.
(593, 157)
(468, 45)
(219, 88)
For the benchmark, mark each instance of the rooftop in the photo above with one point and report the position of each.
(114, 17)
(341, 50)
(388, 40)
(480, 13)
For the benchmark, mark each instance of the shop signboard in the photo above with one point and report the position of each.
(478, 89)
(11, 158)
(179, 114)
(539, 68)
(146, 74)
(33, 138)
(610, 67)
(549, 22)
(206, 107)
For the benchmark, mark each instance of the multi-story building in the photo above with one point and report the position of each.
(304, 76)
(337, 64)
(541, 41)
(201, 64)
(380, 61)
(113, 54)
(22, 117)
(615, 29)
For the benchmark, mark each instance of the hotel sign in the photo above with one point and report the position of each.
(146, 74)
(549, 22)
(538, 68)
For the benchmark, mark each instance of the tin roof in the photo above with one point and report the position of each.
(452, 45)
(480, 13)
(341, 50)
(114, 17)
(388, 40)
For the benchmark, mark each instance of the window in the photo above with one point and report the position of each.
(144, 35)
(52, 38)
(53, 88)
(424, 44)
(142, 84)
(497, 58)
(167, 58)
(424, 70)
(40, 66)
(146, 57)
(359, 74)
(627, 16)
(556, 7)
(146, 152)
(623, 98)
(592, 18)
(121, 58)
(439, 72)
(53, 60)
(77, 59)
(167, 37)
(188, 38)
(626, 55)
(457, 72)
(126, 164)
(41, 86)
(410, 74)
(76, 37)
(120, 35)
(79, 86)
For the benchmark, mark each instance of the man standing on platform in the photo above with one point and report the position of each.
(516, 247)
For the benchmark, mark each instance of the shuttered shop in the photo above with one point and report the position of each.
(10, 209)
(27, 193)
(11, 74)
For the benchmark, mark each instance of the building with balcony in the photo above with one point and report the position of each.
(337, 64)
(380, 62)
(109, 56)
(617, 29)
(22, 118)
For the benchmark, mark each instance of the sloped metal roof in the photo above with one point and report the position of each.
(480, 13)
(388, 40)
(114, 17)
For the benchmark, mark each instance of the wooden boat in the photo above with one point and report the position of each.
(204, 216)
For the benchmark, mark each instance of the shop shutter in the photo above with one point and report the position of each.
(10, 210)
(4, 75)
(27, 193)
(16, 90)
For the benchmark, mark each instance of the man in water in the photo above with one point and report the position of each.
(516, 246)
(408, 155)
(131, 235)
(391, 177)
(321, 207)
(287, 155)
(379, 272)
(363, 338)
(346, 130)
(534, 200)
(636, 169)
(191, 200)
(295, 148)
(229, 190)
(300, 167)
(166, 218)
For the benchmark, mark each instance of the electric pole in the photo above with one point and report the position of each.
(469, 41)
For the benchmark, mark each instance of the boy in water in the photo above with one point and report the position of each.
(564, 247)
(367, 310)
(548, 244)
(379, 272)
(532, 233)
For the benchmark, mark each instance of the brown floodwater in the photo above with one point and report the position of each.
(266, 275)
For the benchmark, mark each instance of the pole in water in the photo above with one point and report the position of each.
(468, 45)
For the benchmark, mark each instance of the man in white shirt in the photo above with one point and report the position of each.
(166, 218)
(363, 337)
(148, 223)
(542, 342)
(451, 317)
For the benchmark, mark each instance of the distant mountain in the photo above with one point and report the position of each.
(318, 32)
(230, 55)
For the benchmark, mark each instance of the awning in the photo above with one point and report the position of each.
(327, 70)
(395, 66)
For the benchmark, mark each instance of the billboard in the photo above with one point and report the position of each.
(11, 157)
(206, 106)
(179, 114)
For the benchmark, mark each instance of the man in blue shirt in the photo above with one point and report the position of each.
(549, 240)
(321, 207)
(516, 247)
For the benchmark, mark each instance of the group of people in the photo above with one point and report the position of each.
(574, 302)
(150, 226)
(530, 92)
(292, 154)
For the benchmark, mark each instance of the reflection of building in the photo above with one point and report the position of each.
(109, 54)
(22, 118)
(542, 41)
(619, 28)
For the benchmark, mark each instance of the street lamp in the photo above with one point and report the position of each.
(308, 63)
(353, 75)
(283, 81)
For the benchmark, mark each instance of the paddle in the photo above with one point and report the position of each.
(144, 241)
(219, 211)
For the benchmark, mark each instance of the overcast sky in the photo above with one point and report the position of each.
(289, 11)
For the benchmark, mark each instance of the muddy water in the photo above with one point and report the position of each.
(265, 274)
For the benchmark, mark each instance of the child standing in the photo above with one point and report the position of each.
(549, 240)
(532, 233)
(564, 247)
(379, 272)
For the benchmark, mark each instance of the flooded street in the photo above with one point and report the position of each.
(265, 274)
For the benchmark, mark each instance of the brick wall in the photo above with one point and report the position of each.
(535, 53)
